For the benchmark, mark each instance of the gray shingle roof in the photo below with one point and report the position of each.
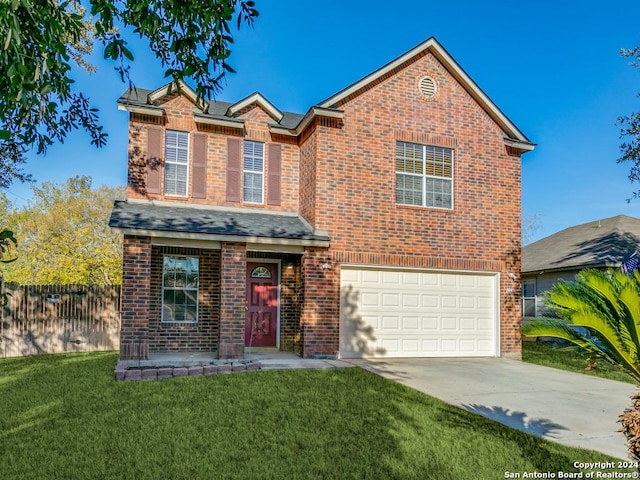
(215, 109)
(601, 243)
(211, 221)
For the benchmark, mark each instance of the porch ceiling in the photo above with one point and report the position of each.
(151, 219)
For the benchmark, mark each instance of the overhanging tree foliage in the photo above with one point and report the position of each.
(41, 39)
(630, 130)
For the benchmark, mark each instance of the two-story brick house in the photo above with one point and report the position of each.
(383, 221)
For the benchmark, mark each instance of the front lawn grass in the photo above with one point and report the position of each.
(64, 417)
(569, 357)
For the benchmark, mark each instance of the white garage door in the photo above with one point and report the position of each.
(411, 313)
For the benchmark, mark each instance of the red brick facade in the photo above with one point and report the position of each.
(339, 174)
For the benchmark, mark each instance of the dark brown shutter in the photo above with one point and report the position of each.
(273, 172)
(233, 170)
(199, 166)
(154, 159)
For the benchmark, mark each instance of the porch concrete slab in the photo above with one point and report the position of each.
(272, 359)
(570, 408)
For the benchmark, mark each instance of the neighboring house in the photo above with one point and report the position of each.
(383, 221)
(600, 244)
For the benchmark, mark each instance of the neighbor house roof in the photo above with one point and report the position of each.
(598, 244)
(160, 219)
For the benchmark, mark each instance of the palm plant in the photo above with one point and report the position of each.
(607, 304)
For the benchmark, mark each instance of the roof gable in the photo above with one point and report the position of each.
(175, 87)
(518, 139)
(258, 99)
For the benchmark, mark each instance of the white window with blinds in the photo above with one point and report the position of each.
(424, 175)
(176, 163)
(253, 172)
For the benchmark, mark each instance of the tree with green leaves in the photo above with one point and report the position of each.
(41, 39)
(607, 305)
(630, 129)
(65, 237)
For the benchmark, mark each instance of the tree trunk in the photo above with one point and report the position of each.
(630, 421)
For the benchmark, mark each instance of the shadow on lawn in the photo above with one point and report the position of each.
(541, 455)
(540, 427)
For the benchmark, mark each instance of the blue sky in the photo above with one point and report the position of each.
(552, 67)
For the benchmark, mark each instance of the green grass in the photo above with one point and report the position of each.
(64, 417)
(570, 358)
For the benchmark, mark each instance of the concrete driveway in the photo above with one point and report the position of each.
(570, 408)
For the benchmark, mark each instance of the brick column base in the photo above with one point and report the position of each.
(233, 267)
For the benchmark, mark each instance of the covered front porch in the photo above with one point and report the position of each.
(214, 283)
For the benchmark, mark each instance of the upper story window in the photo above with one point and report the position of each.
(424, 175)
(176, 163)
(253, 172)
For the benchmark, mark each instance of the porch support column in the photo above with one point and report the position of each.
(233, 267)
(321, 307)
(136, 288)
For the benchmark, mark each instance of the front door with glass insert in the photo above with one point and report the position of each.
(261, 324)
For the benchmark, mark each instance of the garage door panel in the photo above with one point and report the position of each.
(400, 313)
(448, 301)
(410, 324)
(390, 299)
(429, 301)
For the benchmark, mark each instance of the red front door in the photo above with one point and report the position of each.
(261, 325)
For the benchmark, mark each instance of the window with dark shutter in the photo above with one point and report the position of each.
(233, 170)
(273, 174)
(253, 172)
(199, 166)
(153, 160)
(176, 163)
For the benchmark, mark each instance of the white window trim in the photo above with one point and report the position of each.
(196, 290)
(187, 164)
(261, 173)
(424, 176)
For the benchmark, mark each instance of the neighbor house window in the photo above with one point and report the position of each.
(176, 163)
(180, 289)
(424, 175)
(529, 297)
(253, 172)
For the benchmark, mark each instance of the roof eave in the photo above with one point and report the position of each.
(220, 122)
(519, 145)
(305, 242)
(569, 268)
(306, 120)
(141, 109)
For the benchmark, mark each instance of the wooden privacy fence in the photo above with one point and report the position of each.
(59, 318)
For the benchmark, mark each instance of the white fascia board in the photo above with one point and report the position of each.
(219, 238)
(218, 121)
(260, 100)
(155, 111)
(184, 89)
(525, 146)
(282, 130)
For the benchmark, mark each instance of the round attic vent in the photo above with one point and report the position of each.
(427, 87)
